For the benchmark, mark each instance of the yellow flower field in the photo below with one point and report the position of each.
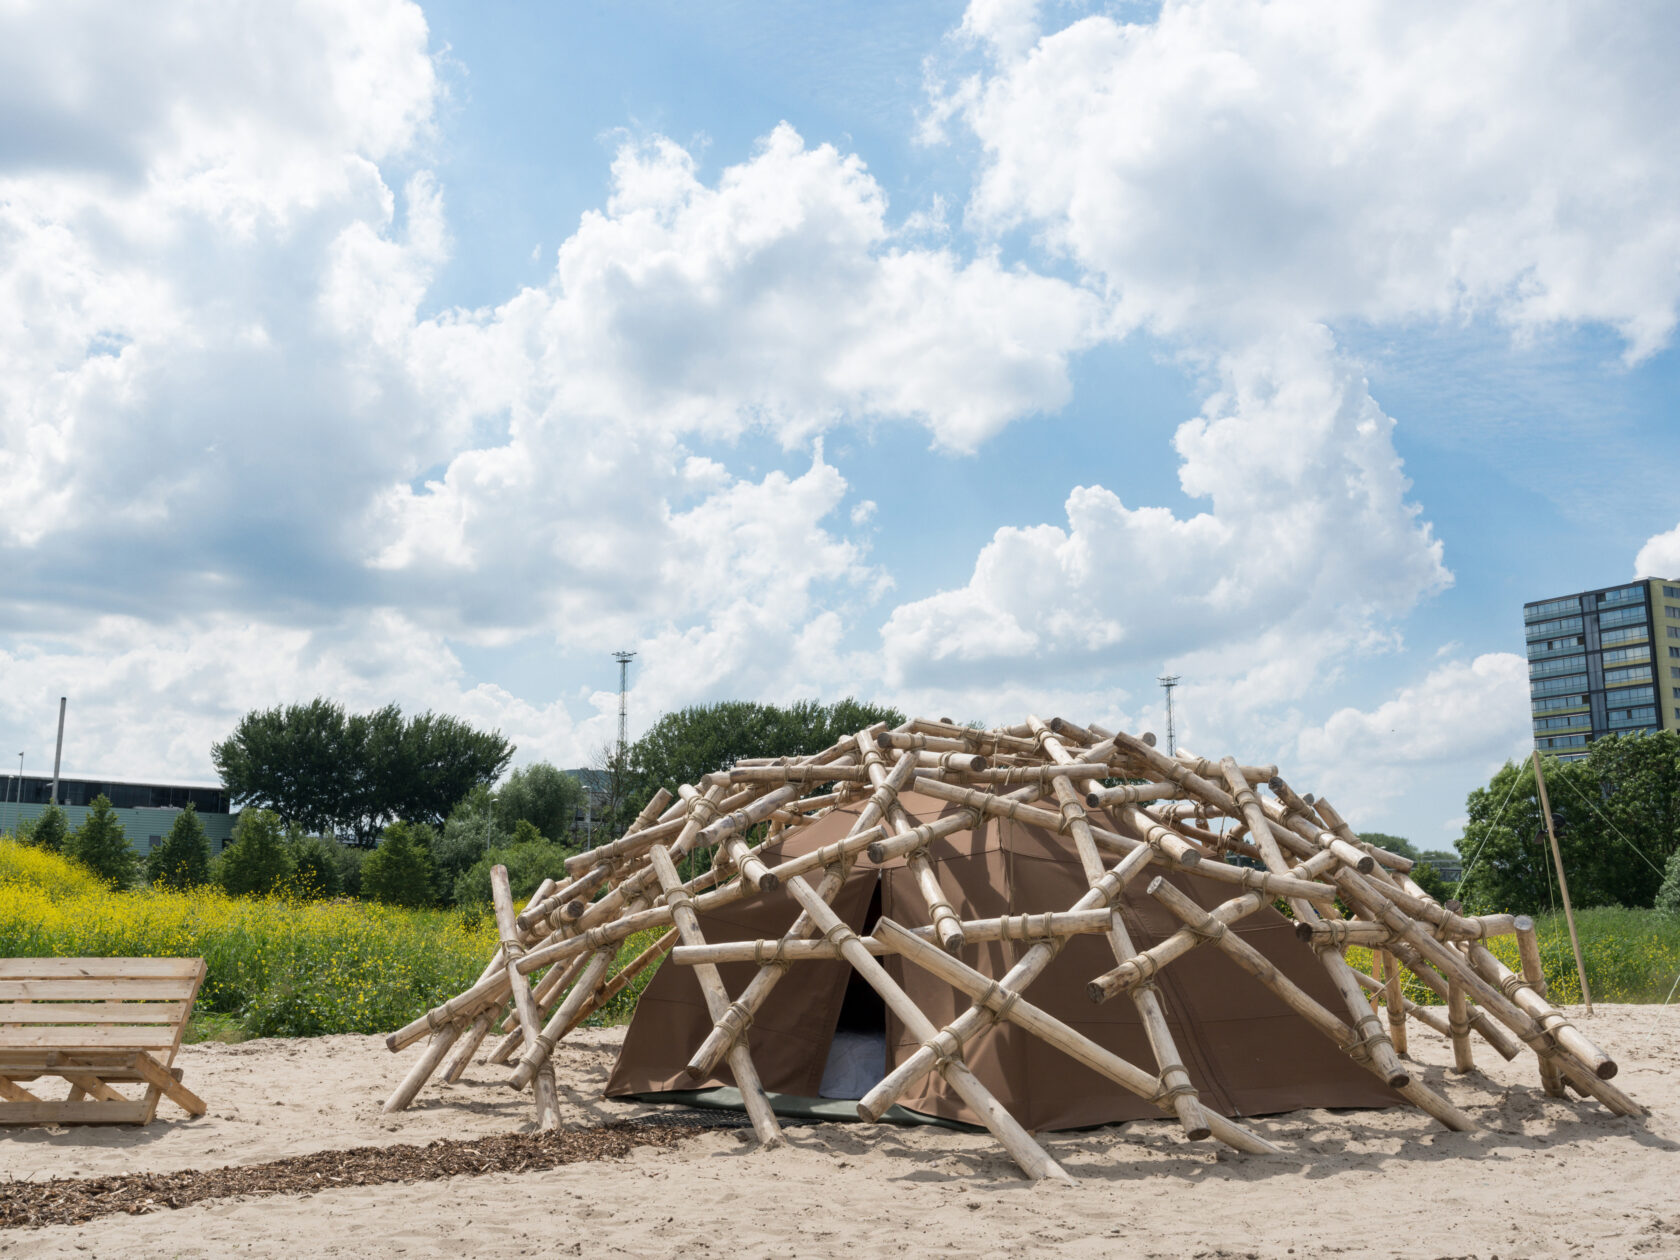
(279, 966)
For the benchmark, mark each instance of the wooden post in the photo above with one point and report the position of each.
(1563, 884)
(1528, 949)
(1394, 995)
(548, 1100)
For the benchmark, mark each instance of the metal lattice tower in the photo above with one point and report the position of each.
(623, 659)
(1168, 682)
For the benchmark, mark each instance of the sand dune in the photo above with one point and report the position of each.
(1541, 1178)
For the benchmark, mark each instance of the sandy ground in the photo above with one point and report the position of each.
(1541, 1177)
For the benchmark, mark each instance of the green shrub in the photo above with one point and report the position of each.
(183, 859)
(256, 862)
(527, 864)
(101, 845)
(315, 869)
(1668, 896)
(50, 830)
(399, 872)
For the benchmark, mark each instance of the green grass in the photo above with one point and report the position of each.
(1630, 956)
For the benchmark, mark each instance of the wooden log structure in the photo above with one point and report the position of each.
(1125, 812)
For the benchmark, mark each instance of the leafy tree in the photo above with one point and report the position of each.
(399, 872)
(541, 795)
(315, 868)
(1423, 873)
(1616, 811)
(527, 864)
(256, 862)
(182, 861)
(682, 746)
(101, 845)
(325, 770)
(1394, 844)
(51, 830)
(468, 834)
(525, 832)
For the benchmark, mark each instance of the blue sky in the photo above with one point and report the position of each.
(983, 359)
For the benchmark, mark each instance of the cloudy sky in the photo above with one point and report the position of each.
(984, 361)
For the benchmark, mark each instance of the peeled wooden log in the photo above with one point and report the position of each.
(1548, 1016)
(1429, 1016)
(1176, 1081)
(547, 1098)
(1130, 794)
(1029, 928)
(1143, 968)
(1528, 949)
(1394, 997)
(548, 992)
(717, 1001)
(1211, 769)
(946, 921)
(798, 772)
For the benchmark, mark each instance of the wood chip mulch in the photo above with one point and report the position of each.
(70, 1200)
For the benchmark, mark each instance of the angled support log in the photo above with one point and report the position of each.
(717, 1002)
(547, 1098)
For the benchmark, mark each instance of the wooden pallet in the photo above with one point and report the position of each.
(95, 1023)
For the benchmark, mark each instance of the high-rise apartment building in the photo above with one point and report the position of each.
(1603, 662)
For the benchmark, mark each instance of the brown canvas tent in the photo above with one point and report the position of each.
(1247, 1052)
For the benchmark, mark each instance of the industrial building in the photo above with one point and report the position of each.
(145, 810)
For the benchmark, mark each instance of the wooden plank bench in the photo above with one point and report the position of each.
(94, 1022)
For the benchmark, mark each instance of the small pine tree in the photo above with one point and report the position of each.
(101, 845)
(51, 830)
(256, 862)
(399, 872)
(525, 832)
(182, 861)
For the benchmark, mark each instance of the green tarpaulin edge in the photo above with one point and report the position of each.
(728, 1098)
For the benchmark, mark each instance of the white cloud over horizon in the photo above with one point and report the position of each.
(245, 458)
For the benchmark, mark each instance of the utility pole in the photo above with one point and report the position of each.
(58, 752)
(1168, 682)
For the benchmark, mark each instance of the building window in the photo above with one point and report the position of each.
(1551, 703)
(1674, 632)
(1674, 651)
(1624, 616)
(1558, 665)
(1623, 595)
(1641, 653)
(1555, 686)
(1669, 610)
(1561, 741)
(1543, 629)
(1551, 608)
(1634, 673)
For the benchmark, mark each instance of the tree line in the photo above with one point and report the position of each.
(1616, 812)
(309, 778)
